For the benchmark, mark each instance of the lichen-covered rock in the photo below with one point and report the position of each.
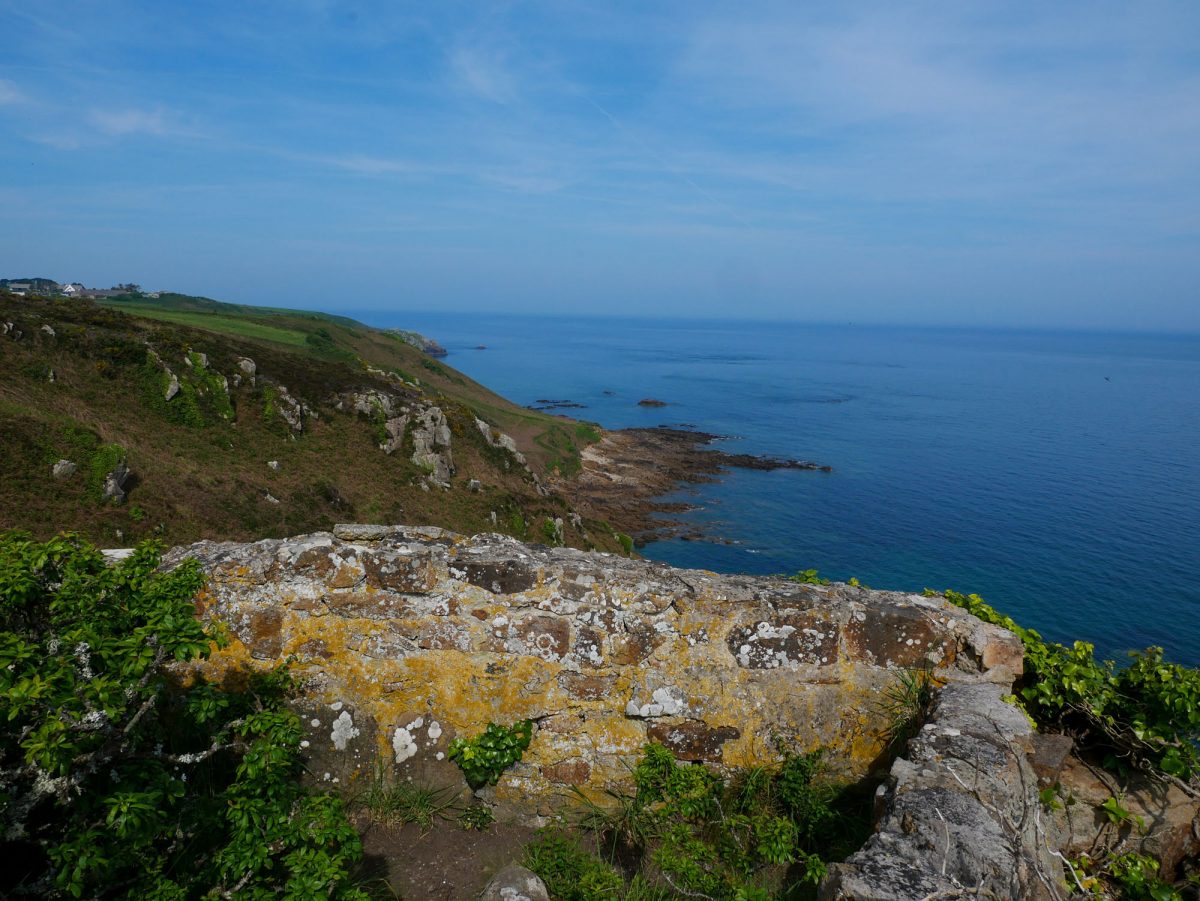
(63, 469)
(962, 817)
(113, 490)
(291, 410)
(515, 883)
(604, 653)
(431, 443)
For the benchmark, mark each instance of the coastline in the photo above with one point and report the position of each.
(627, 473)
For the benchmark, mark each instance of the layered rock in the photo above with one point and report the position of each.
(961, 813)
(406, 637)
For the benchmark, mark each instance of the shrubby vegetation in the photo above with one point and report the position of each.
(688, 832)
(1145, 716)
(116, 780)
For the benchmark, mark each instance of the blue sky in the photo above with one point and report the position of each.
(1010, 164)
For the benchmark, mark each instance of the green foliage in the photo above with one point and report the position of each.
(517, 524)
(808, 577)
(903, 704)
(1148, 712)
(587, 432)
(1129, 876)
(401, 802)
(477, 817)
(561, 443)
(570, 872)
(484, 757)
(104, 460)
(706, 836)
(117, 782)
(626, 543)
(550, 532)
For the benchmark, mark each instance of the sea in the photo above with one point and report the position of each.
(1057, 474)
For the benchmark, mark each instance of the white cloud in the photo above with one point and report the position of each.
(133, 121)
(10, 94)
(484, 74)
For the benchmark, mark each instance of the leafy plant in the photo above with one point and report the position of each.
(484, 757)
(626, 543)
(808, 577)
(477, 817)
(705, 836)
(117, 781)
(1146, 714)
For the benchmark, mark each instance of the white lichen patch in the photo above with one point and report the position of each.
(403, 745)
(663, 702)
(343, 730)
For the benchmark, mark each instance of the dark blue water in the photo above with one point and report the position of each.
(1056, 474)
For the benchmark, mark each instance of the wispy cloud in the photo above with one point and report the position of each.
(10, 94)
(122, 122)
(483, 73)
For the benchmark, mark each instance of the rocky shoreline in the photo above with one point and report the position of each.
(625, 475)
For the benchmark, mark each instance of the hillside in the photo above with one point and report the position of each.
(240, 423)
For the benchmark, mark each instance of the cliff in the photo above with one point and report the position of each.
(184, 418)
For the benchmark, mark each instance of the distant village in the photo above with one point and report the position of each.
(48, 287)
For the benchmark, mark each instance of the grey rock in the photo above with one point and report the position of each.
(474, 485)
(962, 811)
(63, 469)
(270, 498)
(359, 532)
(273, 464)
(114, 484)
(291, 410)
(172, 386)
(48, 330)
(515, 883)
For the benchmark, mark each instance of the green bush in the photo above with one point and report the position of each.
(484, 757)
(1147, 713)
(116, 780)
(750, 837)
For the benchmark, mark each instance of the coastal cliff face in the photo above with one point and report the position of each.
(404, 638)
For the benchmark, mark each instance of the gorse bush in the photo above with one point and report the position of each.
(115, 781)
(1146, 715)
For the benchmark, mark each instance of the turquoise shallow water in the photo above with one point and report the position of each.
(1057, 474)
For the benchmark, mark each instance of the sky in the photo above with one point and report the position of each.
(1010, 164)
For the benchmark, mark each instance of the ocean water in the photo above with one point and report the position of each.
(1056, 474)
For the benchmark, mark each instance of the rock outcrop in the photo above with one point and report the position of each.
(962, 814)
(406, 637)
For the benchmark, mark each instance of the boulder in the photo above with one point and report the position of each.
(605, 653)
(961, 812)
(63, 469)
(515, 883)
(114, 484)
(1164, 821)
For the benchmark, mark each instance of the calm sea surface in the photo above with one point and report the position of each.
(1056, 474)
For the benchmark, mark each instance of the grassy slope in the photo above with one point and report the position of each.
(205, 475)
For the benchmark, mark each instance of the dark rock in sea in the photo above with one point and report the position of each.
(651, 402)
(608, 393)
(481, 347)
(543, 403)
